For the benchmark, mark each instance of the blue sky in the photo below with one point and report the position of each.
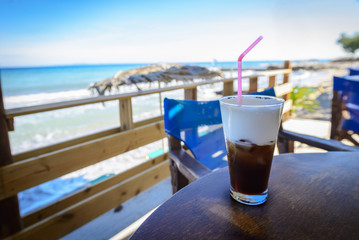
(83, 32)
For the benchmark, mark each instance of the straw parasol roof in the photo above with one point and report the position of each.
(153, 73)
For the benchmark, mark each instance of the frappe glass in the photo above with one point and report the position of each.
(250, 130)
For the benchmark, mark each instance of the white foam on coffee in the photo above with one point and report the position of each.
(256, 119)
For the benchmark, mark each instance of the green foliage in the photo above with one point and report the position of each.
(350, 44)
(301, 98)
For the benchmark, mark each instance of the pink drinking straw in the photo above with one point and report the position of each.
(240, 67)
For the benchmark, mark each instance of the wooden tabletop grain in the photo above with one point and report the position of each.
(311, 196)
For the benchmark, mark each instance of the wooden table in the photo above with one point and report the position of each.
(311, 196)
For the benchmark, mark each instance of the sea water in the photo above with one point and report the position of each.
(40, 85)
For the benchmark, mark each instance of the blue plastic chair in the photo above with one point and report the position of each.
(353, 71)
(347, 89)
(197, 124)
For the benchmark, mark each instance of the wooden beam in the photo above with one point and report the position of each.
(227, 88)
(260, 72)
(65, 144)
(191, 168)
(178, 180)
(10, 124)
(287, 65)
(272, 72)
(147, 121)
(283, 89)
(253, 84)
(25, 174)
(329, 145)
(10, 221)
(287, 106)
(79, 196)
(190, 93)
(79, 214)
(336, 117)
(271, 81)
(285, 145)
(126, 114)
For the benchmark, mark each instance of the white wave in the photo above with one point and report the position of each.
(300, 75)
(42, 98)
(234, 73)
(308, 78)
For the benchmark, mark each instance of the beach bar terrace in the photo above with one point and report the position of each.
(25, 170)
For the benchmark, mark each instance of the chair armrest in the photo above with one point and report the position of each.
(329, 145)
(187, 165)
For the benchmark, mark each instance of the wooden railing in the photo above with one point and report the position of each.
(29, 169)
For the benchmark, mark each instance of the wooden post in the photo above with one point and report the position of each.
(253, 84)
(227, 88)
(126, 114)
(178, 181)
(271, 81)
(336, 116)
(164, 145)
(10, 221)
(190, 93)
(284, 145)
(287, 65)
(10, 124)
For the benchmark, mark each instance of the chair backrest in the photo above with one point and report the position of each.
(353, 71)
(198, 124)
(348, 86)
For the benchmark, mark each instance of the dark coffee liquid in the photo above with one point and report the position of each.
(249, 166)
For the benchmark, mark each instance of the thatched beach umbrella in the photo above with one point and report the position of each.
(154, 73)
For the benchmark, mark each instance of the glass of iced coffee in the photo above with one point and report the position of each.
(250, 129)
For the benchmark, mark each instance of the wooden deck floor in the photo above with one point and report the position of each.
(111, 223)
